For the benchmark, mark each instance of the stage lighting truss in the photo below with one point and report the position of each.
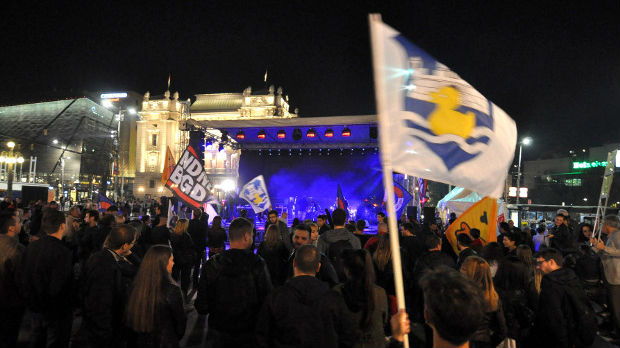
(329, 133)
(261, 134)
(311, 133)
(281, 134)
(346, 132)
(241, 135)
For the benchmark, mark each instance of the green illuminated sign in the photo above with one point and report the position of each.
(586, 165)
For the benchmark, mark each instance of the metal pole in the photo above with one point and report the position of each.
(62, 177)
(9, 184)
(519, 185)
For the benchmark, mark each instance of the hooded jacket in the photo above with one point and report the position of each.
(304, 312)
(330, 237)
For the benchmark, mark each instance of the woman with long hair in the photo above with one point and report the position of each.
(184, 254)
(155, 309)
(493, 253)
(493, 329)
(366, 302)
(524, 254)
(273, 250)
(515, 285)
(216, 237)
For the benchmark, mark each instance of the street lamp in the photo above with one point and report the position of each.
(10, 158)
(525, 141)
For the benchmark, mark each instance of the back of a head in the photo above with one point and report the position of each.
(464, 239)
(217, 221)
(52, 220)
(453, 304)
(431, 242)
(238, 228)
(358, 263)
(511, 274)
(339, 216)
(475, 233)
(147, 292)
(272, 236)
(514, 237)
(524, 253)
(181, 226)
(197, 213)
(360, 225)
(120, 235)
(504, 226)
(307, 259)
(408, 226)
(492, 252)
(478, 270)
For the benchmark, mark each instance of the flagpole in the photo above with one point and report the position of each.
(386, 160)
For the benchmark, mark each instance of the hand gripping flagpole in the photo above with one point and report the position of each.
(386, 159)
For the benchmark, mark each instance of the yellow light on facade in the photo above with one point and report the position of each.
(141, 189)
(10, 144)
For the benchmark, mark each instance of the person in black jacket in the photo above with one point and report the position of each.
(104, 291)
(160, 234)
(305, 312)
(463, 241)
(47, 280)
(11, 302)
(232, 289)
(561, 237)
(217, 237)
(431, 259)
(155, 312)
(327, 273)
(184, 254)
(274, 252)
(554, 317)
(197, 229)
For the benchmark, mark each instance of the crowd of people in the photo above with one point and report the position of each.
(315, 283)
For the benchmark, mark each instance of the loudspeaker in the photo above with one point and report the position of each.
(34, 193)
(429, 214)
(412, 212)
(196, 140)
(372, 132)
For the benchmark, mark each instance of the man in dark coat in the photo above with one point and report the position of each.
(47, 283)
(463, 242)
(305, 312)
(561, 237)
(301, 237)
(232, 289)
(432, 259)
(197, 229)
(104, 290)
(554, 317)
(284, 233)
(160, 234)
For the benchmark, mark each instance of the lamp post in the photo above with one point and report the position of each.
(10, 158)
(525, 141)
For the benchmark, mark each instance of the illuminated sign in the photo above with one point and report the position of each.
(113, 95)
(512, 192)
(586, 165)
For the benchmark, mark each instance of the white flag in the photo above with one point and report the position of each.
(255, 192)
(435, 125)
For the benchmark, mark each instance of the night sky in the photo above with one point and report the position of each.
(553, 66)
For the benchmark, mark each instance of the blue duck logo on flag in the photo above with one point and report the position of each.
(447, 114)
(255, 192)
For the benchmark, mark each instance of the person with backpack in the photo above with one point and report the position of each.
(305, 312)
(232, 289)
(564, 317)
(338, 234)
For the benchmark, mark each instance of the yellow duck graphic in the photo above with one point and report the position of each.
(444, 119)
(257, 199)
